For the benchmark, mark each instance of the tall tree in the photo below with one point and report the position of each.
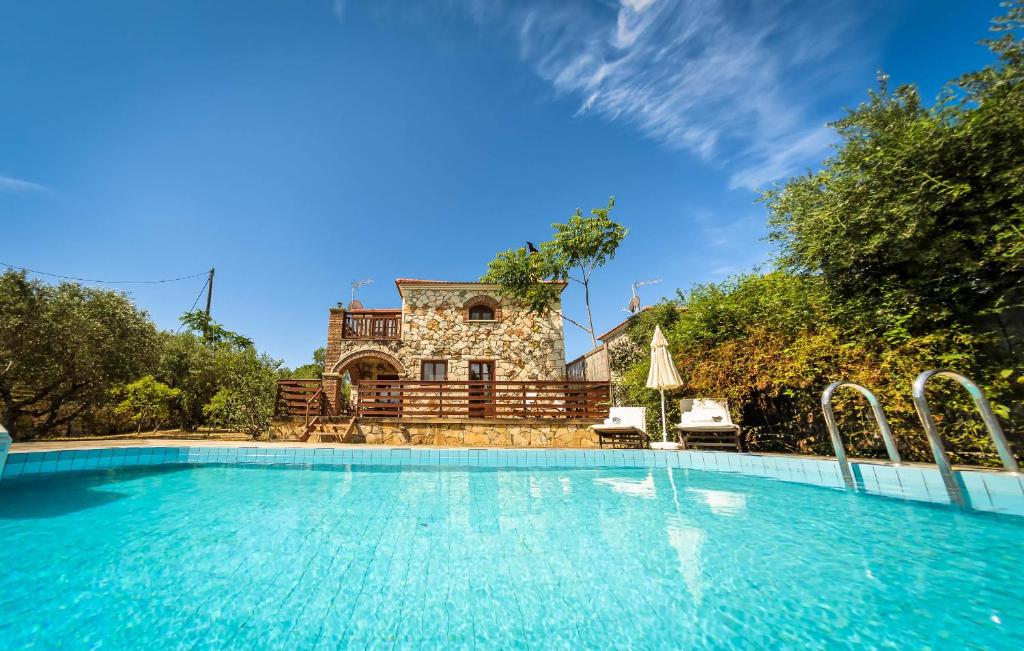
(579, 247)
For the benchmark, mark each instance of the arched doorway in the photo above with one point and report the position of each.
(368, 366)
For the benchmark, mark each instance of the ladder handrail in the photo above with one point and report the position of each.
(876, 409)
(995, 430)
(837, 439)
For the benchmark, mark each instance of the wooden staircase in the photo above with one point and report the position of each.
(305, 399)
(301, 398)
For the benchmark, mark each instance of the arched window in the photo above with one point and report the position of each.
(481, 313)
(482, 308)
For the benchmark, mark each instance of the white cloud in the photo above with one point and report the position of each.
(778, 158)
(733, 81)
(11, 184)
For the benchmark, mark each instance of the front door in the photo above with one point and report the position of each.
(481, 389)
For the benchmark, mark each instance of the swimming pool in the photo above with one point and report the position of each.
(235, 556)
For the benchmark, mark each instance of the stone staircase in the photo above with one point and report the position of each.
(331, 430)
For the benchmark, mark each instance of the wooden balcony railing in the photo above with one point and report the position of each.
(469, 399)
(298, 398)
(374, 325)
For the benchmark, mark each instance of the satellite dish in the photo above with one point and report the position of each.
(634, 302)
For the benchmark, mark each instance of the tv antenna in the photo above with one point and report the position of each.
(357, 284)
(634, 302)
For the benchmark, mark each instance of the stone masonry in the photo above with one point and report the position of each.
(435, 325)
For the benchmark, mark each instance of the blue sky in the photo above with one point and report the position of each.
(298, 146)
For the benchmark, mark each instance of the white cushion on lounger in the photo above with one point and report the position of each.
(705, 415)
(624, 419)
(708, 427)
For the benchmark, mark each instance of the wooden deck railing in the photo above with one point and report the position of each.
(373, 325)
(469, 399)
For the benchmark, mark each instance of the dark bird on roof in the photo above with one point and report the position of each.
(531, 247)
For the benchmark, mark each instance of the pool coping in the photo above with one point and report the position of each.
(985, 490)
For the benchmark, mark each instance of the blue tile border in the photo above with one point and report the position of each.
(986, 491)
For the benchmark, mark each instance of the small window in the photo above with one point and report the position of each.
(434, 371)
(481, 313)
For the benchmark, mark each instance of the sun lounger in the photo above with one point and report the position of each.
(706, 424)
(625, 427)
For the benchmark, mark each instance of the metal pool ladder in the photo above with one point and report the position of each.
(935, 441)
(949, 480)
(837, 439)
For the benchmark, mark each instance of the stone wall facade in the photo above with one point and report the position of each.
(435, 326)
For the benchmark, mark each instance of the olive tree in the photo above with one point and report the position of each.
(62, 348)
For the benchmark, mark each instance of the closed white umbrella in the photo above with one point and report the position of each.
(663, 374)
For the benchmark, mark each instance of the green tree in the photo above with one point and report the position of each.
(197, 361)
(189, 363)
(579, 247)
(145, 401)
(198, 321)
(62, 348)
(917, 221)
(245, 400)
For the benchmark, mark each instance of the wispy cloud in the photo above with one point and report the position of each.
(778, 157)
(12, 184)
(733, 81)
(338, 8)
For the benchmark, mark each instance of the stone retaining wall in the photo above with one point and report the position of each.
(287, 429)
(474, 432)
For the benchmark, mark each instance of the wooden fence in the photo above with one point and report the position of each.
(476, 399)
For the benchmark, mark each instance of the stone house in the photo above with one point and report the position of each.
(456, 364)
(443, 331)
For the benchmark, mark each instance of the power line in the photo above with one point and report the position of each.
(195, 302)
(107, 282)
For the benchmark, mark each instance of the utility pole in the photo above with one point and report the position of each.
(209, 301)
(209, 294)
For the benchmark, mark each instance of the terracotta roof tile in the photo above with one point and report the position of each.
(420, 281)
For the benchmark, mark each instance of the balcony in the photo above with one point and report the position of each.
(480, 399)
(372, 325)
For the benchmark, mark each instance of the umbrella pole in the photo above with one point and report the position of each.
(664, 430)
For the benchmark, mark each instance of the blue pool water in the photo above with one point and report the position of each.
(239, 557)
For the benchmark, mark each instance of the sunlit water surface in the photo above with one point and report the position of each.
(218, 557)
